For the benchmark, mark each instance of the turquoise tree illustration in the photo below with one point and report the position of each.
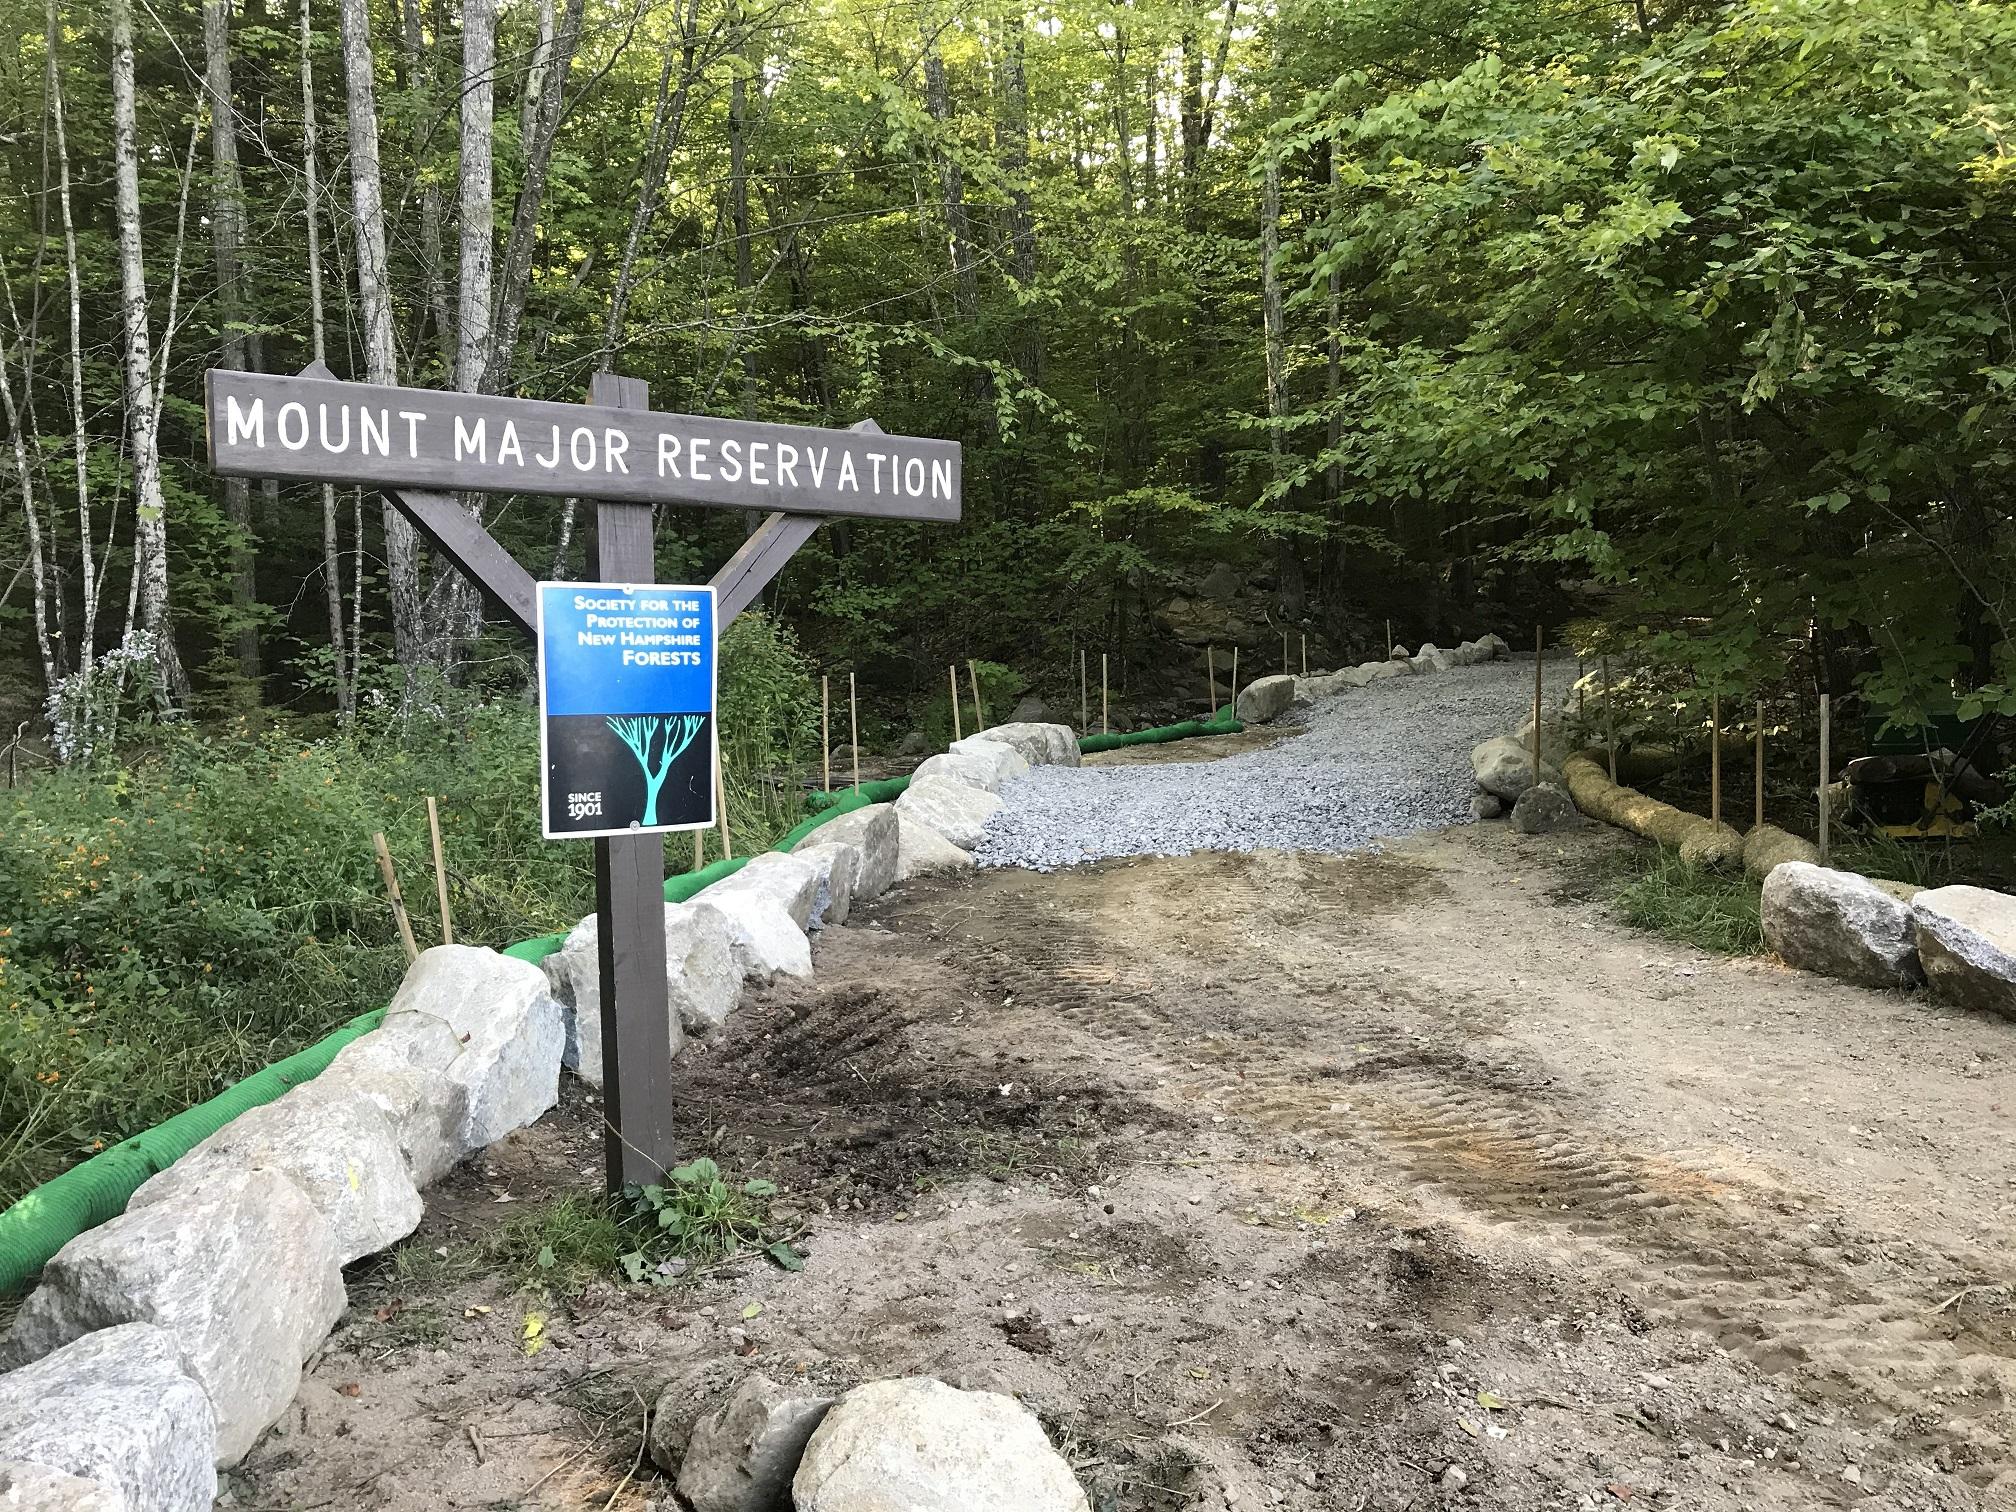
(668, 735)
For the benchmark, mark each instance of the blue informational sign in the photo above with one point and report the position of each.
(626, 695)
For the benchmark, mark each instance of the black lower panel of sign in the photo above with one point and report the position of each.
(636, 771)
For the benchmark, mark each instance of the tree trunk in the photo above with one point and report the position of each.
(332, 572)
(420, 79)
(227, 236)
(150, 564)
(1288, 562)
(374, 300)
(738, 215)
(516, 281)
(477, 224)
(1011, 146)
(952, 191)
(38, 574)
(89, 573)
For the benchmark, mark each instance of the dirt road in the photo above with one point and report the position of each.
(1313, 1182)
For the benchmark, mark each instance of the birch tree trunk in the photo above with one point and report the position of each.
(89, 572)
(477, 225)
(150, 565)
(374, 302)
(38, 574)
(227, 235)
(332, 571)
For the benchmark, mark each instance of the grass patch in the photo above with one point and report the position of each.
(1667, 896)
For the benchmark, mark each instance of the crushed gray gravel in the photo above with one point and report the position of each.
(1374, 762)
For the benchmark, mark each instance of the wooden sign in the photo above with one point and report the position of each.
(422, 447)
(323, 430)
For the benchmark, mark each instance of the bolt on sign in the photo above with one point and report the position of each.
(627, 685)
(627, 737)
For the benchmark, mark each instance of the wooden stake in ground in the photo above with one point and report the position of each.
(1759, 763)
(1211, 676)
(1084, 693)
(1287, 667)
(699, 850)
(392, 891)
(1232, 694)
(1387, 650)
(826, 736)
(979, 710)
(854, 730)
(952, 671)
(440, 872)
(1826, 730)
(1609, 720)
(1715, 758)
(1539, 674)
(1305, 656)
(721, 806)
(1105, 704)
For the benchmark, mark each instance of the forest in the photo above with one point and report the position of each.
(1683, 329)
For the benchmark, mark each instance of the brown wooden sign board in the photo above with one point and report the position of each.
(419, 446)
(323, 430)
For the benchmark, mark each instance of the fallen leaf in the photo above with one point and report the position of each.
(535, 1332)
(1490, 1401)
(1619, 1490)
(753, 1310)
(350, 1389)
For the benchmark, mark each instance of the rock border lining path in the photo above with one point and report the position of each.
(223, 1275)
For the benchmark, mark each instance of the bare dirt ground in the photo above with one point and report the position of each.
(1275, 1181)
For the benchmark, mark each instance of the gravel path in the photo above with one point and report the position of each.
(1380, 761)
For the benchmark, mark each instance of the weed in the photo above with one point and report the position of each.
(696, 1215)
(1682, 902)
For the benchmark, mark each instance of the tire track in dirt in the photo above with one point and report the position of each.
(1484, 1129)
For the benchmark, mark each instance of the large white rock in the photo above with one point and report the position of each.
(1371, 672)
(741, 1457)
(511, 1029)
(117, 1411)
(1494, 643)
(1431, 658)
(1039, 744)
(787, 881)
(1839, 924)
(837, 867)
(1504, 768)
(872, 831)
(702, 984)
(918, 1445)
(1265, 699)
(338, 1148)
(402, 1066)
(32, 1488)
(1967, 945)
(984, 764)
(240, 1270)
(923, 852)
(958, 812)
(764, 941)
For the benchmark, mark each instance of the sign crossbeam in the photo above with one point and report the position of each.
(420, 447)
(314, 427)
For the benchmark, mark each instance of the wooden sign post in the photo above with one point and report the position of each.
(423, 447)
